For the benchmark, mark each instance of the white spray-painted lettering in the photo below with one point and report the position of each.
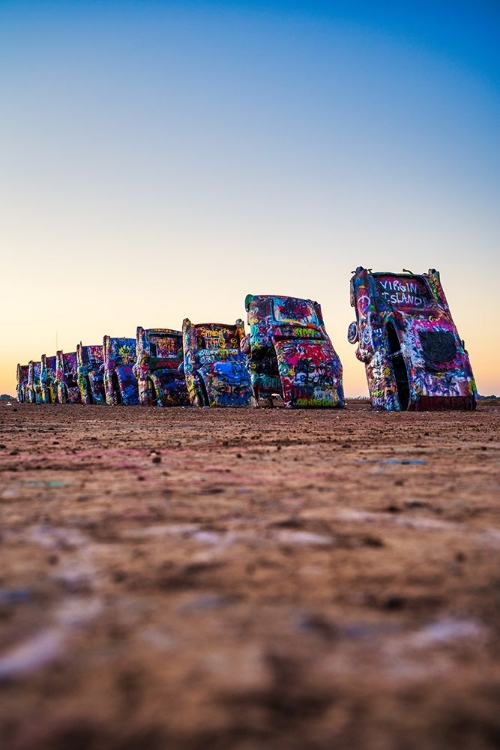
(398, 293)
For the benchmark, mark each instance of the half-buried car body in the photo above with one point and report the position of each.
(291, 354)
(159, 367)
(120, 383)
(68, 391)
(34, 386)
(90, 373)
(413, 355)
(214, 365)
(22, 383)
(48, 379)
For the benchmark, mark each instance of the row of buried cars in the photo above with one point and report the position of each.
(404, 332)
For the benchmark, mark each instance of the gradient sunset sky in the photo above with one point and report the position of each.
(163, 159)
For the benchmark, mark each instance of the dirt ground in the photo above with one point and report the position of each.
(249, 579)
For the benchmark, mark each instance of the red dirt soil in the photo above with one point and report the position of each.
(249, 579)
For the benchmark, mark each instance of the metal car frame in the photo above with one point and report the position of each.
(68, 391)
(159, 367)
(408, 342)
(214, 365)
(90, 373)
(48, 379)
(120, 383)
(291, 354)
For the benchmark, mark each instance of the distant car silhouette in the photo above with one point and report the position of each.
(66, 378)
(22, 383)
(413, 355)
(159, 367)
(48, 379)
(291, 354)
(90, 373)
(215, 368)
(120, 383)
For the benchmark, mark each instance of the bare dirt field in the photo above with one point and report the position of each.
(249, 579)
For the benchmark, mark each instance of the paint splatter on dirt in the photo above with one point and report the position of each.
(278, 579)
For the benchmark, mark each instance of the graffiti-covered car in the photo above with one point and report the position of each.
(291, 354)
(22, 383)
(408, 342)
(68, 391)
(48, 379)
(214, 365)
(120, 383)
(90, 373)
(34, 386)
(159, 367)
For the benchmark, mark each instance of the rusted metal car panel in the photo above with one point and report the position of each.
(408, 342)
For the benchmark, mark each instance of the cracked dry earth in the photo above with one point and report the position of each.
(249, 579)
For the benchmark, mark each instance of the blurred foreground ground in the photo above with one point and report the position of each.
(249, 579)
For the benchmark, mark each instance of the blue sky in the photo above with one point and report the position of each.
(162, 160)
